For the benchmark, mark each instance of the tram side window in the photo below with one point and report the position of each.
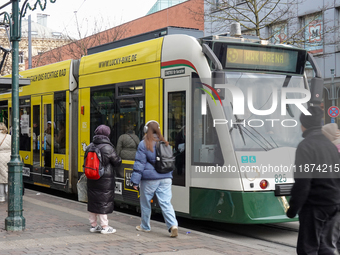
(131, 118)
(102, 110)
(205, 144)
(121, 107)
(60, 120)
(4, 113)
(129, 126)
(177, 133)
(25, 124)
(36, 135)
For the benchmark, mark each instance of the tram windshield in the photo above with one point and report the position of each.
(252, 131)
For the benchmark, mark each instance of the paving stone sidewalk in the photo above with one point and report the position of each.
(60, 226)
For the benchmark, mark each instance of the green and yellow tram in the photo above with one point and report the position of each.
(175, 81)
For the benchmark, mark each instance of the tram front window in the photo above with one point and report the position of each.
(252, 131)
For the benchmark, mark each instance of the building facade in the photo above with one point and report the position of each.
(43, 40)
(308, 24)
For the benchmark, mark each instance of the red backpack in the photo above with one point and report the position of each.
(93, 167)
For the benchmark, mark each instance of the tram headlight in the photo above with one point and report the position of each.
(253, 174)
(263, 184)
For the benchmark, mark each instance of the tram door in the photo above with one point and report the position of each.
(43, 131)
(176, 124)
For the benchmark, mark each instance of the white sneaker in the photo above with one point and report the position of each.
(96, 229)
(174, 231)
(139, 228)
(108, 230)
(2, 199)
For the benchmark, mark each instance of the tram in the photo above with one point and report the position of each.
(193, 89)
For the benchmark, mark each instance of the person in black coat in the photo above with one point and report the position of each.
(315, 195)
(101, 192)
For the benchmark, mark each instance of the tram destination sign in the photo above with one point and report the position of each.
(264, 58)
(177, 71)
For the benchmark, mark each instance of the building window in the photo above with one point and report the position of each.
(21, 57)
(337, 33)
(56, 34)
(279, 33)
(313, 33)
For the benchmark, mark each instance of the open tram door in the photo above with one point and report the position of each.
(43, 137)
(176, 126)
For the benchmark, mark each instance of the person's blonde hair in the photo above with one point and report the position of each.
(3, 128)
(149, 138)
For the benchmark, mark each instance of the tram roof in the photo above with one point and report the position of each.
(6, 83)
(144, 37)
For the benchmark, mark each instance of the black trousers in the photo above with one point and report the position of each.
(319, 230)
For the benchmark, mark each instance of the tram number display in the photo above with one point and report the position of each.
(280, 178)
(261, 58)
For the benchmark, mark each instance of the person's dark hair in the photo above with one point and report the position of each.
(149, 137)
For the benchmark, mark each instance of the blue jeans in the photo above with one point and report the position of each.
(162, 189)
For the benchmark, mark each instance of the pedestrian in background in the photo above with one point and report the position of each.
(332, 132)
(315, 195)
(47, 144)
(5, 157)
(101, 192)
(127, 144)
(151, 182)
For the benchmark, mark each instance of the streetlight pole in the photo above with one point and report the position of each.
(333, 89)
(15, 221)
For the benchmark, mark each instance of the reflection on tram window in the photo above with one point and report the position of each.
(131, 117)
(47, 134)
(36, 136)
(60, 120)
(25, 124)
(4, 113)
(127, 144)
(177, 133)
(119, 114)
(103, 110)
(206, 148)
(265, 132)
(130, 90)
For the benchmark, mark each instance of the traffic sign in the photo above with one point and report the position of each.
(333, 111)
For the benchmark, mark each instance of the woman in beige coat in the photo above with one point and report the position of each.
(5, 157)
(332, 132)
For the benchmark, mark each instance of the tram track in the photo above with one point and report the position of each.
(279, 226)
(272, 233)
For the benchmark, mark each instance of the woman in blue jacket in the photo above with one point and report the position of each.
(151, 182)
